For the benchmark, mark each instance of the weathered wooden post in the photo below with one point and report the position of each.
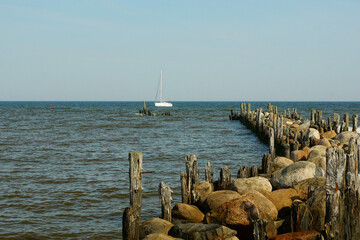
(335, 180)
(243, 172)
(259, 229)
(185, 197)
(355, 121)
(266, 163)
(209, 174)
(336, 121)
(132, 214)
(165, 199)
(312, 116)
(254, 171)
(224, 178)
(271, 143)
(192, 173)
(144, 108)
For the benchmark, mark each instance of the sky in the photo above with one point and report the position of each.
(112, 50)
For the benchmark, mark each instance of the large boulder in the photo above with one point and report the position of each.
(312, 132)
(317, 207)
(279, 163)
(201, 190)
(263, 204)
(243, 185)
(159, 236)
(238, 215)
(294, 173)
(344, 137)
(215, 199)
(187, 212)
(302, 187)
(329, 134)
(298, 155)
(155, 225)
(320, 162)
(282, 199)
(200, 231)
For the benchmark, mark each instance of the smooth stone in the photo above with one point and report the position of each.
(320, 148)
(344, 137)
(298, 155)
(282, 199)
(329, 134)
(200, 231)
(160, 236)
(302, 187)
(243, 185)
(294, 173)
(263, 204)
(279, 163)
(324, 142)
(312, 132)
(217, 198)
(187, 212)
(304, 126)
(155, 225)
(320, 162)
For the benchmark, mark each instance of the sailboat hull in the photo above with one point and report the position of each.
(163, 104)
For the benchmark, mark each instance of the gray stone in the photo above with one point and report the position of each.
(200, 231)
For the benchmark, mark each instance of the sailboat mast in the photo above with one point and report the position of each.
(161, 85)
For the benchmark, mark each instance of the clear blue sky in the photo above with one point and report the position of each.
(209, 50)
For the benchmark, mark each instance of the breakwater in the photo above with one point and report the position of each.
(306, 187)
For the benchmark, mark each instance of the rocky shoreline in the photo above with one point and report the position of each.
(306, 188)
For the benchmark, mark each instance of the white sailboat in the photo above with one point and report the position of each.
(161, 102)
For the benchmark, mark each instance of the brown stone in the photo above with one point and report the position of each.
(298, 155)
(244, 185)
(329, 134)
(344, 137)
(263, 204)
(159, 236)
(324, 142)
(304, 235)
(217, 198)
(155, 225)
(279, 163)
(201, 191)
(187, 212)
(282, 199)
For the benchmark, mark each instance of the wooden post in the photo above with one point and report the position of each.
(209, 174)
(266, 163)
(224, 179)
(259, 229)
(192, 173)
(129, 225)
(185, 197)
(254, 171)
(165, 199)
(355, 121)
(272, 143)
(312, 117)
(132, 215)
(248, 110)
(243, 172)
(335, 180)
(144, 108)
(336, 121)
(346, 120)
(286, 147)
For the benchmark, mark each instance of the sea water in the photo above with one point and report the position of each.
(64, 170)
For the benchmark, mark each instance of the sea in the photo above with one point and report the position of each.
(65, 171)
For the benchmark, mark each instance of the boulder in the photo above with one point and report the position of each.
(312, 132)
(317, 207)
(304, 235)
(294, 173)
(320, 162)
(200, 231)
(187, 212)
(320, 148)
(263, 204)
(160, 236)
(298, 155)
(302, 187)
(334, 143)
(155, 225)
(243, 185)
(215, 199)
(201, 190)
(282, 199)
(344, 137)
(279, 163)
(238, 215)
(325, 142)
(329, 134)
